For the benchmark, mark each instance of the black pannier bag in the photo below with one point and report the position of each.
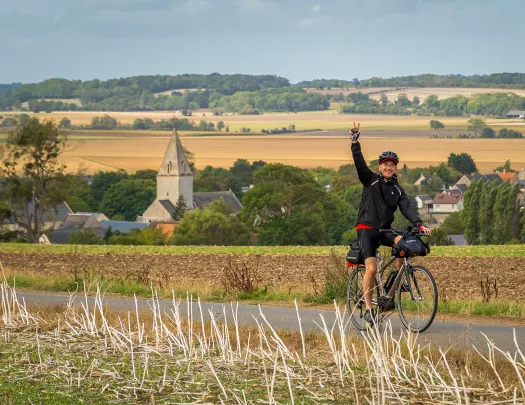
(410, 246)
(355, 255)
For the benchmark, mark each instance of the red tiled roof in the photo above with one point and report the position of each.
(445, 198)
(510, 176)
(167, 228)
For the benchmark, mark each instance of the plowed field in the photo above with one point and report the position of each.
(459, 278)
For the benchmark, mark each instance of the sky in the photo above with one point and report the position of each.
(297, 39)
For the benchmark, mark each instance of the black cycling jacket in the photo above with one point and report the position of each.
(380, 199)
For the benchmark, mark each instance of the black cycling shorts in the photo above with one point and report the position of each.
(371, 239)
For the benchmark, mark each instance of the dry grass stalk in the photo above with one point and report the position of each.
(489, 289)
(241, 277)
(386, 370)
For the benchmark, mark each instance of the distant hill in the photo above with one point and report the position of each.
(135, 93)
(6, 87)
(495, 80)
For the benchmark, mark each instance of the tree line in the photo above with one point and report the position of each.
(132, 92)
(495, 80)
(107, 122)
(10, 86)
(493, 104)
(286, 99)
(480, 129)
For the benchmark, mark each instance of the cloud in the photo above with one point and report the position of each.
(316, 9)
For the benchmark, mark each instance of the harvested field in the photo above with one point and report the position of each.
(457, 278)
(350, 90)
(421, 92)
(304, 151)
(168, 92)
(84, 353)
(325, 120)
(442, 92)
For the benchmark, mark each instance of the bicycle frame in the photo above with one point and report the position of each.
(403, 273)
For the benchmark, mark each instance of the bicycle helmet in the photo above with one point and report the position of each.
(388, 155)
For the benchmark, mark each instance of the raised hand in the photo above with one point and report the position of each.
(355, 132)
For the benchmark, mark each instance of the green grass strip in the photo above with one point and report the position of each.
(129, 287)
(448, 251)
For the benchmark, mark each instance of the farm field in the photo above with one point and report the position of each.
(421, 92)
(409, 135)
(281, 274)
(304, 121)
(146, 152)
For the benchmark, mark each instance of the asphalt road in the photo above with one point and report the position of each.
(442, 333)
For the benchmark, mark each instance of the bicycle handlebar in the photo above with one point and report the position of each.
(409, 231)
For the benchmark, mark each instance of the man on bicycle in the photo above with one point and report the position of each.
(381, 196)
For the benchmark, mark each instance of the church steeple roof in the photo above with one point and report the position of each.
(175, 162)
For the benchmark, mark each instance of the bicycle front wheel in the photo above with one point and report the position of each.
(355, 299)
(417, 299)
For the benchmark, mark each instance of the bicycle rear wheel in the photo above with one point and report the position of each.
(417, 299)
(355, 300)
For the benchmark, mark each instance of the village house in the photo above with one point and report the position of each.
(96, 223)
(444, 204)
(424, 203)
(52, 218)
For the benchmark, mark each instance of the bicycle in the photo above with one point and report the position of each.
(412, 288)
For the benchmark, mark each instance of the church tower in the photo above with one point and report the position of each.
(175, 178)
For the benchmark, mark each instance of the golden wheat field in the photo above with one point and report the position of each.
(304, 121)
(146, 152)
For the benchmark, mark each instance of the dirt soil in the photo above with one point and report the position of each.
(457, 278)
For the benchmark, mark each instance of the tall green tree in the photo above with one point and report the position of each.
(462, 162)
(102, 182)
(486, 212)
(512, 209)
(431, 102)
(180, 209)
(506, 167)
(323, 175)
(34, 178)
(212, 179)
(129, 198)
(501, 212)
(241, 172)
(469, 214)
(476, 125)
(105, 122)
(340, 216)
(285, 207)
(353, 195)
(452, 224)
(440, 237)
(436, 126)
(210, 227)
(65, 123)
(444, 173)
(488, 132)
